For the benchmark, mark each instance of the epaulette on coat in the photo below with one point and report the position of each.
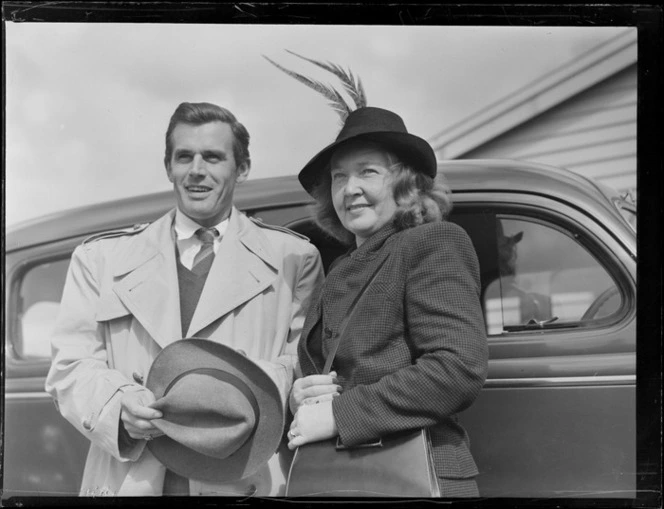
(259, 222)
(132, 230)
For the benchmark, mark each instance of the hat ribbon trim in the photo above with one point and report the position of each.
(224, 376)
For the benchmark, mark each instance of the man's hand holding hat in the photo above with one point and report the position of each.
(136, 415)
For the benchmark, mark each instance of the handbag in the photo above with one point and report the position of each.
(396, 465)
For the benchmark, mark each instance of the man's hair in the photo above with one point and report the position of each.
(204, 113)
(420, 199)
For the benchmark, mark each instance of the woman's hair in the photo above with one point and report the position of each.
(420, 199)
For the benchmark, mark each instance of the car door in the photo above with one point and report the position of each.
(557, 415)
(43, 453)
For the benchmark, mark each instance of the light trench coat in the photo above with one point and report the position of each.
(120, 308)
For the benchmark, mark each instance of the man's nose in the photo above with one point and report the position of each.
(197, 165)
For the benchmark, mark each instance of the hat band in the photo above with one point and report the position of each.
(224, 376)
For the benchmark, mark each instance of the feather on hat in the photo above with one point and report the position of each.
(368, 123)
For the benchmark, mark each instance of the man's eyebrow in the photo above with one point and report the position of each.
(217, 153)
(206, 153)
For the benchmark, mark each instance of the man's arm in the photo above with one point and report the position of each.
(86, 391)
(310, 278)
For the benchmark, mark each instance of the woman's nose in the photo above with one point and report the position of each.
(352, 186)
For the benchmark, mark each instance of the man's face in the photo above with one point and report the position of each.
(203, 171)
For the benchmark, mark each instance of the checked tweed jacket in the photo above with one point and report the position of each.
(414, 353)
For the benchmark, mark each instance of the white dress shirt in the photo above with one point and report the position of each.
(188, 243)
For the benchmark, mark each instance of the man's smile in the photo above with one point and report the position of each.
(197, 188)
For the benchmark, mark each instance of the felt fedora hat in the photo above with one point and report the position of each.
(377, 125)
(222, 414)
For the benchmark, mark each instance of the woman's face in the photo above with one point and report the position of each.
(362, 189)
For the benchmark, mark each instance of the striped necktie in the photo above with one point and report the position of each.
(204, 257)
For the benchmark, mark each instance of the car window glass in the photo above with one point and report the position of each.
(544, 277)
(39, 301)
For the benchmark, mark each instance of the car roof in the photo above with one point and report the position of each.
(462, 176)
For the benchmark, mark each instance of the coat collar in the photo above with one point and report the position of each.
(244, 266)
(146, 278)
(147, 284)
(373, 244)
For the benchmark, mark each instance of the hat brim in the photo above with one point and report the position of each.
(412, 149)
(188, 354)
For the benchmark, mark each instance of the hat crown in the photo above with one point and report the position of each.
(369, 120)
(209, 411)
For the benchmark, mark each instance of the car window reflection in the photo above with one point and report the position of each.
(545, 276)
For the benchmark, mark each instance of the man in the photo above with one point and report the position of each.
(130, 293)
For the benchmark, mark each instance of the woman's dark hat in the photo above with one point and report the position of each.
(377, 125)
(222, 414)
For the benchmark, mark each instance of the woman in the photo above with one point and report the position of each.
(414, 354)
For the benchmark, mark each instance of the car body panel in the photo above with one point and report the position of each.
(556, 417)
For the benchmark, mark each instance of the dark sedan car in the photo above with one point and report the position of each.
(557, 253)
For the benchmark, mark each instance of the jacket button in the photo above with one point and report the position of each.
(251, 490)
(87, 424)
(328, 332)
(241, 352)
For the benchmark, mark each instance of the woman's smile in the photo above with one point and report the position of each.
(357, 207)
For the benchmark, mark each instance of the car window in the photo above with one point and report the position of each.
(40, 291)
(537, 275)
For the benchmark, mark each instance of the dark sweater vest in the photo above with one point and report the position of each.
(191, 286)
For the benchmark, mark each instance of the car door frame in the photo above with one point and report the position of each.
(597, 360)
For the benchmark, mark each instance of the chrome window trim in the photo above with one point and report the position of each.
(573, 381)
(495, 383)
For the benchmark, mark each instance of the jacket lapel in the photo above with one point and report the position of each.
(313, 317)
(243, 267)
(148, 284)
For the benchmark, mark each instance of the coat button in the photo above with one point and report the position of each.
(328, 332)
(87, 424)
(251, 490)
(242, 352)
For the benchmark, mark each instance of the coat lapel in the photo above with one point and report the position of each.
(148, 284)
(313, 317)
(243, 267)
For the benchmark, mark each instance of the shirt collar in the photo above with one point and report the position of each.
(185, 227)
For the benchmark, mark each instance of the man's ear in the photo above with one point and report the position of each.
(169, 174)
(242, 172)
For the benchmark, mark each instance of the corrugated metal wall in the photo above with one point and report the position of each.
(593, 133)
